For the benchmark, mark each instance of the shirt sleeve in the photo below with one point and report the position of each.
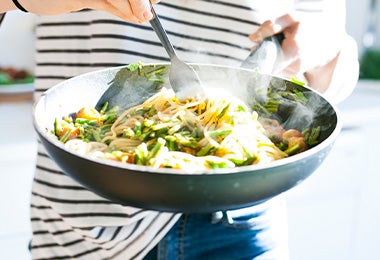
(346, 72)
(325, 24)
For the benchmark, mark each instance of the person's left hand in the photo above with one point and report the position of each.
(135, 11)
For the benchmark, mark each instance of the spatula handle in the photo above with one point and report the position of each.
(264, 56)
(160, 31)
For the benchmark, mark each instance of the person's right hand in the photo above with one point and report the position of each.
(136, 11)
(289, 63)
(302, 51)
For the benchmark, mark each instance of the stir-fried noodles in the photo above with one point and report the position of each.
(216, 132)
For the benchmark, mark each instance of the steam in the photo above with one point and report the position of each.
(308, 110)
(251, 81)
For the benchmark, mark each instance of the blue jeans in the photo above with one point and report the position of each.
(258, 232)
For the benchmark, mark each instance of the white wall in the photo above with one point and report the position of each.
(17, 40)
(357, 19)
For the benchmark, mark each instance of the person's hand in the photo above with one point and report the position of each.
(136, 11)
(306, 49)
(289, 62)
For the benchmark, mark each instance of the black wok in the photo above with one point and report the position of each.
(177, 190)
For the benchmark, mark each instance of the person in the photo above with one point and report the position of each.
(75, 37)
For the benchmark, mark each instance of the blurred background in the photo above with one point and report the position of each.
(334, 214)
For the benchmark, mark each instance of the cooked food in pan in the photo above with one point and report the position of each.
(271, 108)
(218, 131)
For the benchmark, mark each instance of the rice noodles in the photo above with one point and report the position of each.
(218, 131)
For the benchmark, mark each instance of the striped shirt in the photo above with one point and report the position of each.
(68, 221)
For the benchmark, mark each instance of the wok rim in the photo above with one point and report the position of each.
(49, 137)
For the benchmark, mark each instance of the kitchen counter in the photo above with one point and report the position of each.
(16, 93)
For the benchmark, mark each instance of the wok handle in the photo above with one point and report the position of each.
(263, 57)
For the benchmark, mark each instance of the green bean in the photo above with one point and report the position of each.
(83, 121)
(65, 136)
(205, 150)
(217, 165)
(218, 133)
(293, 150)
(224, 111)
(175, 129)
(57, 130)
(157, 148)
(96, 135)
(138, 128)
(141, 153)
(104, 108)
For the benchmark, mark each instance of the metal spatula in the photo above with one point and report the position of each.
(183, 78)
(130, 88)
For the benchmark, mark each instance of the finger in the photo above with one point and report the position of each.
(269, 28)
(290, 32)
(141, 9)
(120, 8)
(265, 30)
(292, 70)
(290, 47)
(289, 58)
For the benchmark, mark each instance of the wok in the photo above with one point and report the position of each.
(181, 190)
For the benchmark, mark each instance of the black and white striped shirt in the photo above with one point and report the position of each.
(71, 222)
